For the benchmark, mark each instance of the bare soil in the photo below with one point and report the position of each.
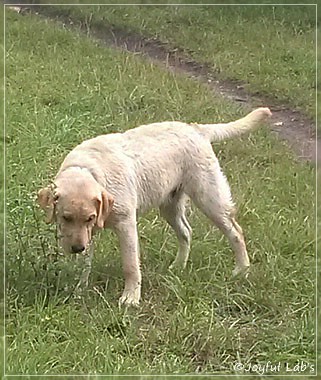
(291, 125)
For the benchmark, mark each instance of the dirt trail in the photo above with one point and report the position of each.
(291, 125)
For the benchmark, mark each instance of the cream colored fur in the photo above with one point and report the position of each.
(107, 181)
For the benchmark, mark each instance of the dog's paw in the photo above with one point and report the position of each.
(130, 297)
(241, 272)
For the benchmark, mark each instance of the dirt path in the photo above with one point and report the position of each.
(291, 125)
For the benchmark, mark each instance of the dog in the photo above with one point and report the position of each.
(107, 181)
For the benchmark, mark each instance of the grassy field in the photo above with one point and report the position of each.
(270, 48)
(62, 88)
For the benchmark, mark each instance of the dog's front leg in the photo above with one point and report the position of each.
(129, 248)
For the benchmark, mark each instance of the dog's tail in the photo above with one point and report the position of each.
(218, 132)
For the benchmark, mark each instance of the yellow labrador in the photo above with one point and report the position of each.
(107, 181)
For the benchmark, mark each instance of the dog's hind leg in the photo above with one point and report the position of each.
(174, 213)
(211, 194)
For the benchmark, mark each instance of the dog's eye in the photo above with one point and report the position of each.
(67, 218)
(90, 219)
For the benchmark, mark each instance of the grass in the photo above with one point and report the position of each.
(68, 88)
(272, 49)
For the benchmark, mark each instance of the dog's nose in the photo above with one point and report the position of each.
(77, 248)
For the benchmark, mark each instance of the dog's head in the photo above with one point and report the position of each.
(79, 206)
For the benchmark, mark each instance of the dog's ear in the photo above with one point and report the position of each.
(105, 205)
(47, 201)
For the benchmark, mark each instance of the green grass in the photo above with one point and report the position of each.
(62, 88)
(272, 49)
